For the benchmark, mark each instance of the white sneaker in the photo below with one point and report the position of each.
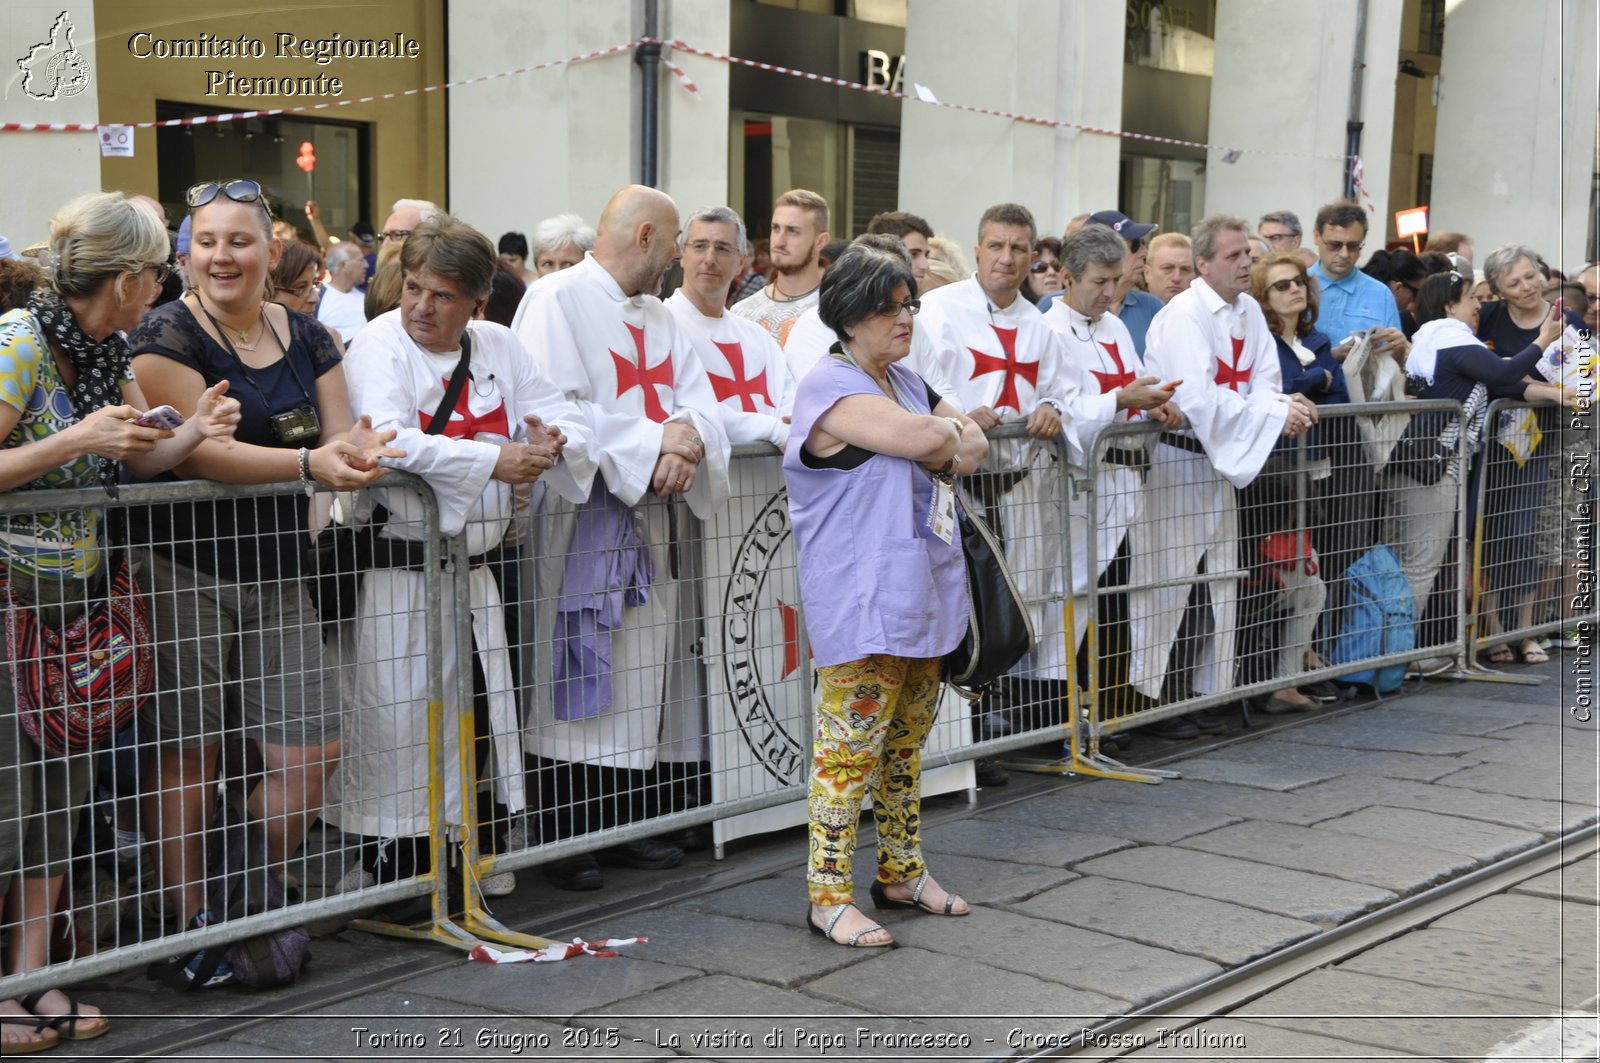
(1431, 666)
(517, 836)
(502, 884)
(357, 878)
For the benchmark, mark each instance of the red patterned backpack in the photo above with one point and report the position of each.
(78, 687)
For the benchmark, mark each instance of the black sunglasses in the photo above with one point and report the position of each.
(1041, 266)
(240, 191)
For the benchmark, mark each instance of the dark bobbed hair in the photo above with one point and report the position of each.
(514, 244)
(293, 262)
(862, 280)
(1438, 293)
(505, 295)
(1343, 213)
(1258, 290)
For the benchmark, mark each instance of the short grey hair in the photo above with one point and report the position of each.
(1092, 245)
(716, 216)
(1286, 218)
(561, 230)
(1209, 227)
(1009, 214)
(862, 280)
(341, 251)
(454, 250)
(1502, 258)
(427, 208)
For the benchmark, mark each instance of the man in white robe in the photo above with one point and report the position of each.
(617, 353)
(1107, 385)
(509, 425)
(1213, 342)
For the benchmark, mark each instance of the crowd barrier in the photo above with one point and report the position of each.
(509, 736)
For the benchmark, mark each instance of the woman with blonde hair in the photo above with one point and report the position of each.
(69, 415)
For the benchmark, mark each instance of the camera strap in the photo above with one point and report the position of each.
(245, 369)
(452, 392)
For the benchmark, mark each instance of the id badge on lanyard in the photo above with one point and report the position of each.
(942, 511)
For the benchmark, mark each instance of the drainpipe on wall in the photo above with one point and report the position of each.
(1358, 76)
(648, 56)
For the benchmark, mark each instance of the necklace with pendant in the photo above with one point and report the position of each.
(243, 342)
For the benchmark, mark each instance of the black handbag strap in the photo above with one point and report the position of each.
(452, 391)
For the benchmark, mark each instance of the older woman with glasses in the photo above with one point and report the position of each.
(883, 581)
(1044, 276)
(297, 278)
(70, 415)
(239, 649)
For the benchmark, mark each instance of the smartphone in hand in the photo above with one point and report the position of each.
(160, 417)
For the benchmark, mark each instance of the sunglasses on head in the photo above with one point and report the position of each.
(241, 191)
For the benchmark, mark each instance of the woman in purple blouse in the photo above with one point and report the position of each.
(883, 582)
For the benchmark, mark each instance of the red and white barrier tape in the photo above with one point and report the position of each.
(216, 119)
(552, 953)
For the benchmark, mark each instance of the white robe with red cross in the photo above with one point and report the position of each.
(747, 370)
(1100, 358)
(1010, 361)
(381, 787)
(630, 368)
(1232, 395)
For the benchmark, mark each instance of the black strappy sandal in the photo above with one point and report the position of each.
(881, 899)
(855, 939)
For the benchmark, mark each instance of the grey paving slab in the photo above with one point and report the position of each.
(1483, 842)
(561, 989)
(1568, 731)
(1225, 933)
(1391, 1014)
(956, 992)
(1537, 969)
(1540, 754)
(719, 944)
(1453, 720)
(1507, 702)
(1363, 731)
(990, 881)
(1055, 952)
(776, 899)
(1021, 843)
(1091, 808)
(1224, 1040)
(1514, 780)
(1305, 756)
(1240, 802)
(1402, 868)
(1298, 894)
(1238, 765)
(1578, 881)
(673, 1018)
(1547, 817)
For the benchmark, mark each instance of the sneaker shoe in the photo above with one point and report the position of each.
(517, 836)
(1570, 639)
(221, 974)
(501, 884)
(357, 878)
(1431, 666)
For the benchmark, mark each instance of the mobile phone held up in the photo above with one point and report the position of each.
(160, 417)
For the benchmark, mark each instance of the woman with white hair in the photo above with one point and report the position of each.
(561, 242)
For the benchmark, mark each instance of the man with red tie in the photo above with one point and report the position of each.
(1112, 387)
(747, 368)
(610, 698)
(1214, 344)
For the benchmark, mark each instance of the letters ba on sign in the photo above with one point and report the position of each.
(881, 71)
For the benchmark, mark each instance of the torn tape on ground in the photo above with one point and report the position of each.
(552, 953)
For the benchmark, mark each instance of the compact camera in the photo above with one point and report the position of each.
(297, 427)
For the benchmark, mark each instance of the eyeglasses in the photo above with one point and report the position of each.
(1280, 238)
(163, 271)
(240, 191)
(393, 236)
(1352, 246)
(1287, 283)
(299, 291)
(892, 308)
(721, 248)
(1043, 266)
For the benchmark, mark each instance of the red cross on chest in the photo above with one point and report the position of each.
(1123, 376)
(463, 423)
(735, 385)
(1231, 376)
(636, 374)
(984, 364)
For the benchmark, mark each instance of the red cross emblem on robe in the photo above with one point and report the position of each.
(735, 385)
(1231, 376)
(984, 364)
(463, 423)
(635, 374)
(1123, 376)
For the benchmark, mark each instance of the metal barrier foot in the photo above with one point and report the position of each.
(1481, 674)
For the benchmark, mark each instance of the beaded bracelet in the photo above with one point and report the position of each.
(305, 472)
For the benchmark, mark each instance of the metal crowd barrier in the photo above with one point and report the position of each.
(698, 711)
(1534, 528)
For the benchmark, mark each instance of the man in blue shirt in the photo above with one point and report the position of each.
(1351, 300)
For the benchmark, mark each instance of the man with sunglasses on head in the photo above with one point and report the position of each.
(1352, 302)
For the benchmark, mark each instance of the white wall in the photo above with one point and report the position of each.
(1516, 137)
(1053, 61)
(44, 170)
(1292, 98)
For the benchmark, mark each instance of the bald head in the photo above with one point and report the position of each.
(637, 238)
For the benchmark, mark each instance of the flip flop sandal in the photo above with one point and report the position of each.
(23, 1048)
(66, 1025)
(855, 939)
(1535, 655)
(881, 899)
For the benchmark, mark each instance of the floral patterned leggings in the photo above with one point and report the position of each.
(875, 714)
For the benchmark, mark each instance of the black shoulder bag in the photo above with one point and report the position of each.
(999, 629)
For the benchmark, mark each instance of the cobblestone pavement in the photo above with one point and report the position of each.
(1090, 898)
